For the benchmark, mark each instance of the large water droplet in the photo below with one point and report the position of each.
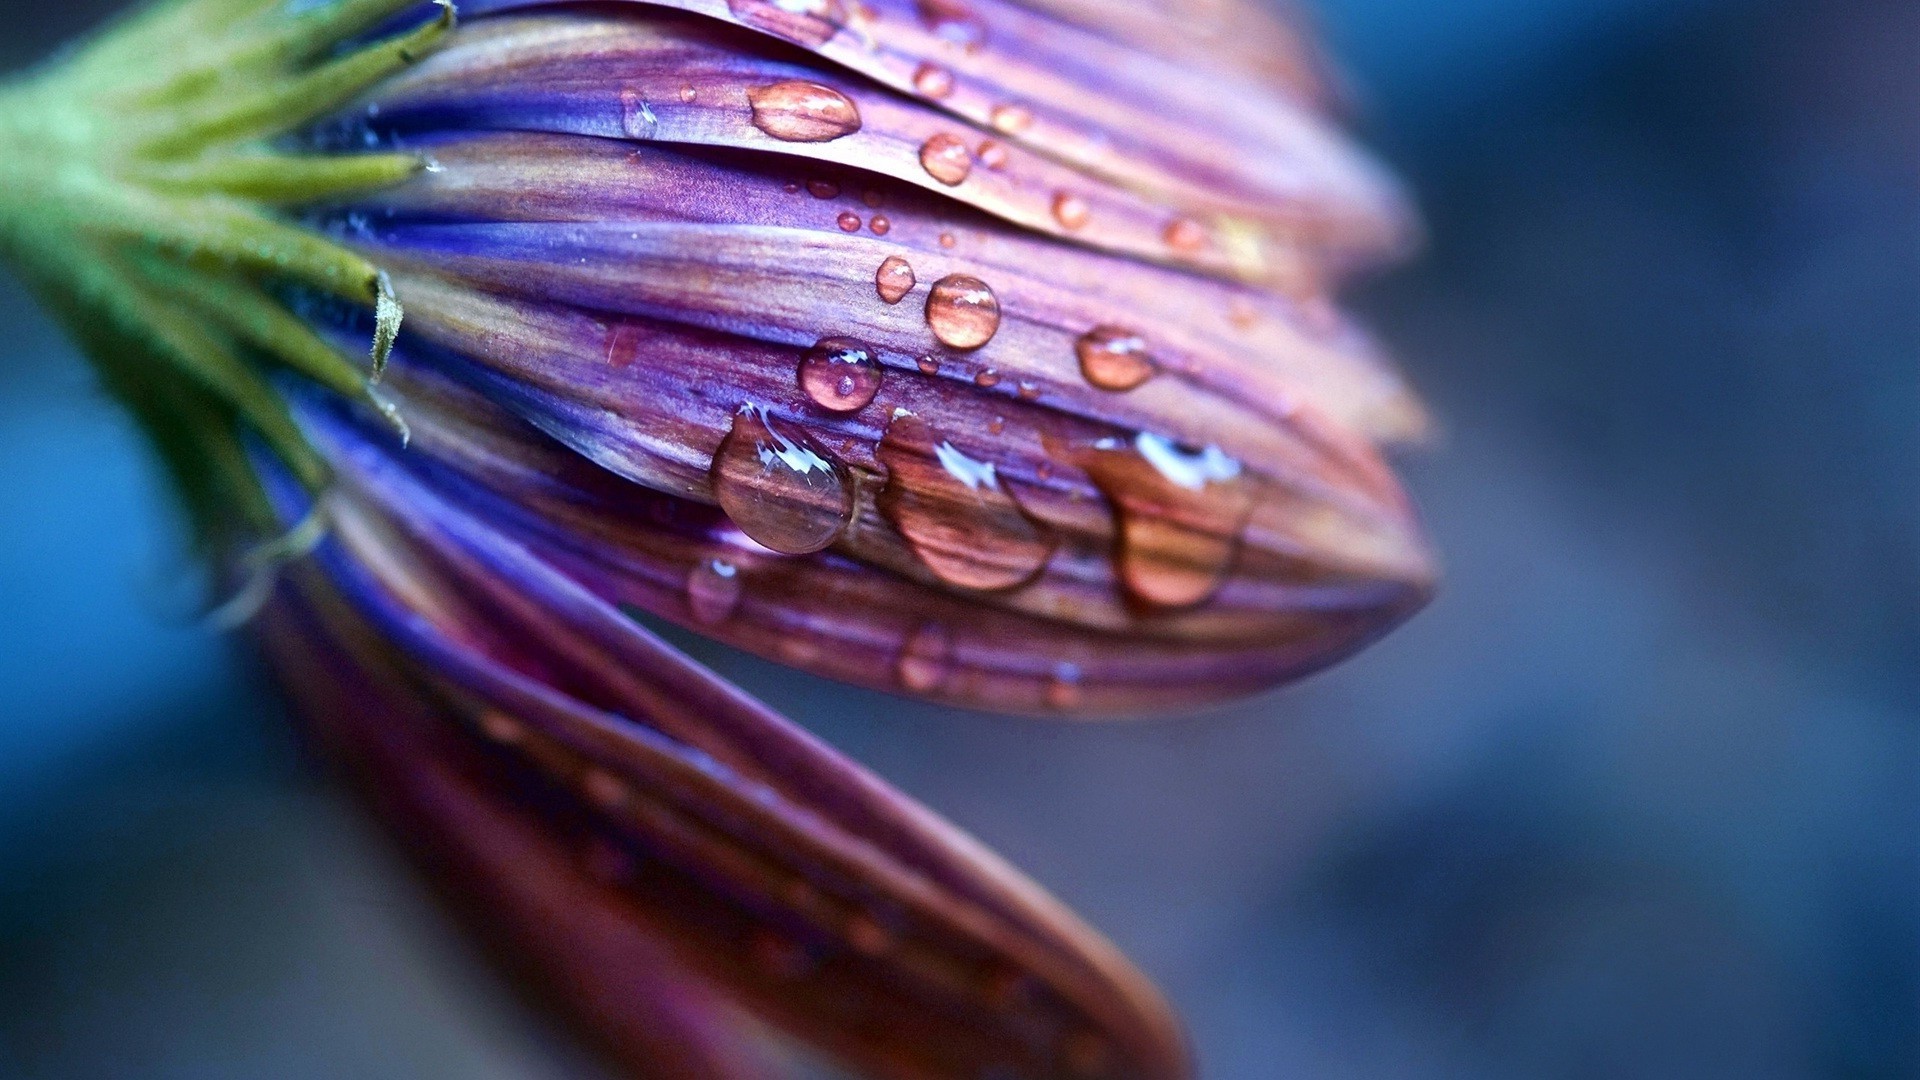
(779, 486)
(840, 374)
(894, 280)
(962, 311)
(713, 591)
(801, 111)
(926, 660)
(946, 158)
(1180, 513)
(806, 22)
(1114, 359)
(636, 116)
(954, 21)
(961, 522)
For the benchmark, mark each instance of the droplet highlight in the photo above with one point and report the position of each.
(1113, 358)
(802, 111)
(848, 221)
(779, 486)
(957, 516)
(1180, 513)
(1010, 119)
(992, 154)
(1070, 210)
(962, 311)
(894, 280)
(932, 80)
(713, 591)
(636, 116)
(1186, 235)
(840, 374)
(946, 158)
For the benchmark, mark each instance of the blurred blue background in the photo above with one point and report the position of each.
(1638, 797)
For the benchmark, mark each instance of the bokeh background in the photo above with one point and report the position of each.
(1639, 797)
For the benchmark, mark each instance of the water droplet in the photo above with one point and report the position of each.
(636, 116)
(961, 522)
(1242, 314)
(996, 425)
(929, 365)
(1180, 513)
(713, 591)
(1186, 235)
(791, 187)
(848, 221)
(805, 22)
(623, 345)
(932, 80)
(988, 377)
(953, 21)
(1028, 391)
(688, 94)
(872, 198)
(604, 789)
(992, 154)
(1010, 119)
(926, 660)
(823, 189)
(946, 158)
(780, 487)
(501, 728)
(801, 111)
(962, 311)
(880, 225)
(947, 240)
(840, 374)
(894, 280)
(1070, 210)
(1114, 359)
(1063, 687)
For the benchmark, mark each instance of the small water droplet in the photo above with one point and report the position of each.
(840, 374)
(636, 116)
(926, 660)
(688, 93)
(604, 789)
(929, 365)
(947, 240)
(953, 21)
(1063, 687)
(1113, 358)
(932, 80)
(880, 225)
(848, 221)
(1070, 210)
(713, 591)
(962, 311)
(992, 154)
(955, 514)
(988, 377)
(801, 111)
(823, 189)
(1180, 513)
(946, 158)
(894, 280)
(623, 345)
(778, 486)
(1010, 119)
(501, 728)
(996, 425)
(873, 198)
(805, 22)
(1028, 391)
(1186, 235)
(791, 187)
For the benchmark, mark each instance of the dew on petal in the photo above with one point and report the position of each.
(946, 158)
(1180, 513)
(1070, 210)
(688, 94)
(947, 240)
(811, 23)
(873, 198)
(932, 80)
(992, 154)
(636, 116)
(880, 225)
(823, 189)
(840, 374)
(1010, 119)
(1113, 358)
(956, 515)
(1186, 235)
(929, 365)
(953, 21)
(962, 311)
(894, 280)
(713, 591)
(779, 486)
(987, 377)
(848, 221)
(604, 789)
(926, 660)
(801, 111)
(501, 728)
